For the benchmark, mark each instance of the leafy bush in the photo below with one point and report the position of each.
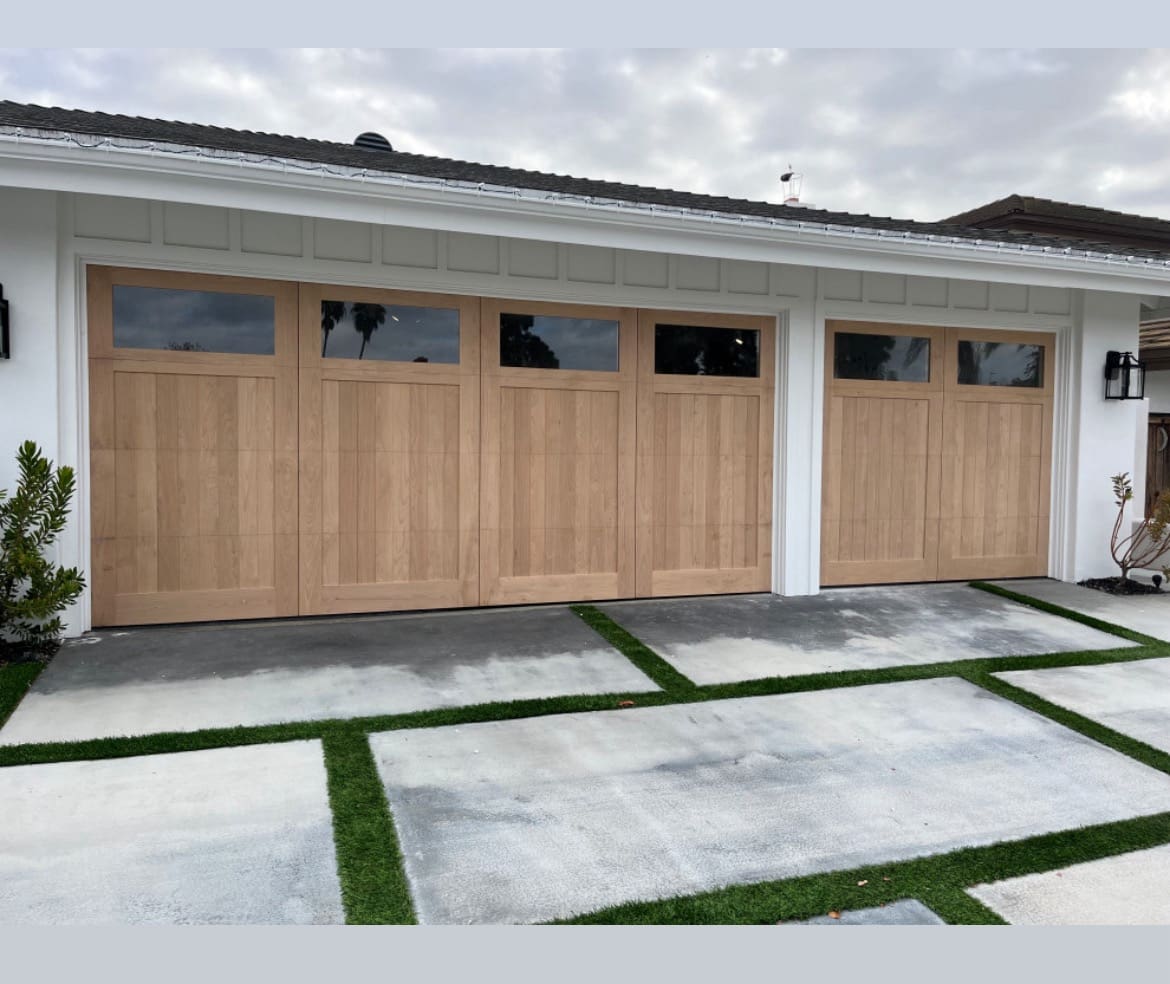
(33, 591)
(1149, 543)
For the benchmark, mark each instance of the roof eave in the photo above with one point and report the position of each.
(143, 169)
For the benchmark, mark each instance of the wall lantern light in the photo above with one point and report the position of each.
(5, 349)
(1125, 377)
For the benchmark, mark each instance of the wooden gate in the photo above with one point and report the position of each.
(705, 392)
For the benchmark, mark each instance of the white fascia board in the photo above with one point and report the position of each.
(232, 184)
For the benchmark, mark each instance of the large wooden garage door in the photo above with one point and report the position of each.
(193, 446)
(389, 442)
(557, 507)
(705, 391)
(262, 448)
(937, 453)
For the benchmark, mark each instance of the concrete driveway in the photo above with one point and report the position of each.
(538, 818)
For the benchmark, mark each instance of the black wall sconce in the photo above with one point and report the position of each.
(1125, 377)
(5, 349)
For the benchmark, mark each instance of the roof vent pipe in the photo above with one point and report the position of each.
(372, 141)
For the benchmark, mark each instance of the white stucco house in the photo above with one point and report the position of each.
(300, 377)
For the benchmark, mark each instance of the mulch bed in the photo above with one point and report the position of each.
(1119, 586)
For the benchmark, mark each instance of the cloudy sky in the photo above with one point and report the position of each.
(912, 133)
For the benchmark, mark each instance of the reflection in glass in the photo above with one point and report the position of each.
(194, 320)
(541, 341)
(693, 350)
(894, 358)
(389, 332)
(1001, 364)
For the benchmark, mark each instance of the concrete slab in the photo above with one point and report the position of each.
(187, 678)
(1125, 890)
(228, 835)
(1149, 613)
(904, 912)
(535, 819)
(746, 637)
(1133, 698)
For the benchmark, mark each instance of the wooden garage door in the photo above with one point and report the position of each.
(389, 450)
(262, 448)
(557, 507)
(193, 445)
(704, 482)
(937, 453)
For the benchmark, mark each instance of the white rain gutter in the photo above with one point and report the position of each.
(805, 229)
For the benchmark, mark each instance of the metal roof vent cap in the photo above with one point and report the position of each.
(372, 141)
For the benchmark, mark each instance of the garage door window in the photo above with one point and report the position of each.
(389, 332)
(696, 350)
(1001, 364)
(893, 358)
(194, 320)
(540, 341)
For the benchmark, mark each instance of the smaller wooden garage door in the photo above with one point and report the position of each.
(937, 453)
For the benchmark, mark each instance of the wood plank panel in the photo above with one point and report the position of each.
(557, 505)
(704, 469)
(997, 462)
(389, 469)
(187, 459)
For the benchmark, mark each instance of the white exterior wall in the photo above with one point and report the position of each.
(1158, 391)
(232, 241)
(30, 381)
(1105, 432)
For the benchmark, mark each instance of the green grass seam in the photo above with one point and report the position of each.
(636, 651)
(1052, 609)
(15, 679)
(938, 881)
(374, 888)
(1155, 758)
(155, 744)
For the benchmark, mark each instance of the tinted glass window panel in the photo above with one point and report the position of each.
(540, 341)
(894, 358)
(389, 332)
(194, 320)
(1001, 364)
(694, 350)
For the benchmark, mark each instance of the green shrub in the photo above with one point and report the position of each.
(33, 591)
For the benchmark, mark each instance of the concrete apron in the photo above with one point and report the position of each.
(531, 820)
(146, 681)
(1132, 698)
(1125, 890)
(1148, 614)
(225, 835)
(745, 637)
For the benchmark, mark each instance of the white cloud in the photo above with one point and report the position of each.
(914, 133)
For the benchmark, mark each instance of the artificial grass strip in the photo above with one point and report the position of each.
(636, 651)
(1155, 758)
(675, 691)
(939, 882)
(1051, 609)
(161, 744)
(15, 679)
(374, 888)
